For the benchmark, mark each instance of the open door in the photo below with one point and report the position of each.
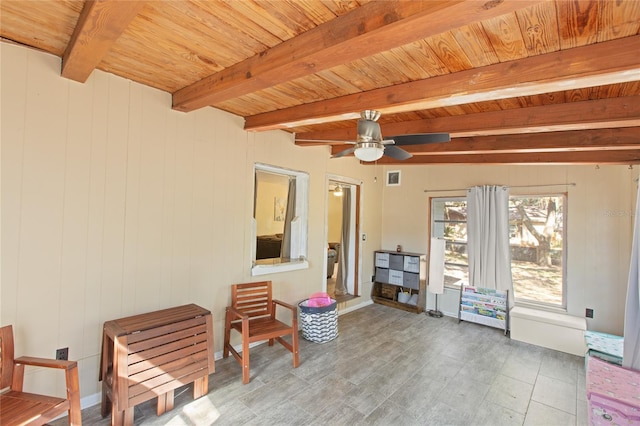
(343, 200)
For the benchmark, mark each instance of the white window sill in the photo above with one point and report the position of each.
(281, 267)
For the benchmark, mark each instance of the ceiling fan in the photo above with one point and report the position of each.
(369, 145)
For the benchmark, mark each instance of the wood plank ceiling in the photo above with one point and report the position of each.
(512, 81)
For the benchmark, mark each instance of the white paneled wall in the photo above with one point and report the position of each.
(113, 204)
(599, 227)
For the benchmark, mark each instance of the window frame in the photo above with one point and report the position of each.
(433, 227)
(519, 300)
(299, 228)
(538, 304)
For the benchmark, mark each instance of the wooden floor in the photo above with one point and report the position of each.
(388, 367)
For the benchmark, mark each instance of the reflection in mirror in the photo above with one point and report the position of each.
(280, 217)
(271, 216)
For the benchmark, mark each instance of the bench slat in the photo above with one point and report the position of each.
(150, 362)
(166, 338)
(159, 331)
(161, 384)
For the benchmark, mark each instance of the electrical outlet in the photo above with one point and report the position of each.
(62, 354)
(588, 313)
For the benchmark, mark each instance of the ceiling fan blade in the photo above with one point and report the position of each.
(421, 138)
(345, 152)
(397, 153)
(326, 141)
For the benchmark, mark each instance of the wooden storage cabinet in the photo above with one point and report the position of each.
(150, 355)
(396, 272)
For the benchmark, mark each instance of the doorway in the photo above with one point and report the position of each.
(342, 277)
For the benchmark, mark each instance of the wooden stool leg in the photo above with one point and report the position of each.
(165, 403)
(122, 418)
(105, 407)
(200, 387)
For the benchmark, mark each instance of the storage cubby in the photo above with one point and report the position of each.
(396, 273)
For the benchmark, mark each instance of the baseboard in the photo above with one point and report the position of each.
(355, 307)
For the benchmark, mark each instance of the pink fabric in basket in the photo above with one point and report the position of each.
(318, 300)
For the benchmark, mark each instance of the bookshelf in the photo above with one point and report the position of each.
(484, 306)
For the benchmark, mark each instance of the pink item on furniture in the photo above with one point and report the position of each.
(613, 393)
(319, 299)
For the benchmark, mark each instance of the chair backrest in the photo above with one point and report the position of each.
(253, 299)
(6, 356)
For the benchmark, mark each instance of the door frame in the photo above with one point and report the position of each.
(356, 186)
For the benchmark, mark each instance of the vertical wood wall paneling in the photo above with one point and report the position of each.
(95, 231)
(76, 222)
(184, 146)
(13, 77)
(168, 207)
(132, 200)
(41, 216)
(205, 228)
(149, 221)
(111, 281)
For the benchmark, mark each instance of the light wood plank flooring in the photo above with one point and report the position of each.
(388, 367)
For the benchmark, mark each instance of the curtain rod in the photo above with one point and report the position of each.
(504, 186)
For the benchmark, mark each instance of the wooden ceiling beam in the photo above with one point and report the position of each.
(573, 141)
(630, 157)
(373, 28)
(597, 64)
(595, 114)
(100, 24)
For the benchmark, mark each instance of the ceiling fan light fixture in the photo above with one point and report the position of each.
(369, 151)
(338, 191)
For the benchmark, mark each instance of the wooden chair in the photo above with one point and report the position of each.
(253, 314)
(22, 408)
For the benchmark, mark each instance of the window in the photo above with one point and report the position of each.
(536, 237)
(449, 221)
(279, 220)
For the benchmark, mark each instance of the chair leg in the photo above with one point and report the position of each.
(227, 335)
(294, 342)
(246, 375)
(73, 394)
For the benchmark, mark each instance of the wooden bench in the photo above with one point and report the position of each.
(22, 408)
(150, 355)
